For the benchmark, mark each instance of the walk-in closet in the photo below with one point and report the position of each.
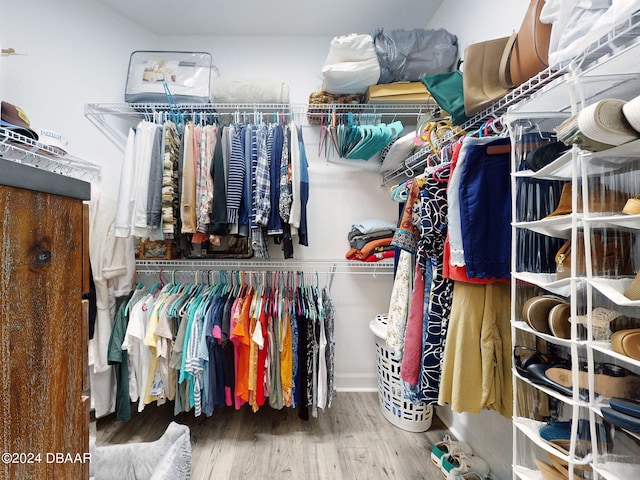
(369, 240)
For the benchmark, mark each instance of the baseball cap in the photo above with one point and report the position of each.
(53, 140)
(14, 119)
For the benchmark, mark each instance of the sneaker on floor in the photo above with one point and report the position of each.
(453, 466)
(446, 447)
(469, 476)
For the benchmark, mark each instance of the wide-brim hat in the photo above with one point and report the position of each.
(14, 119)
(605, 122)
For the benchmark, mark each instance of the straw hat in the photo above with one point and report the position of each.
(605, 122)
(631, 111)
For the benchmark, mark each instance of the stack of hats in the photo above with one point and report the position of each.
(370, 240)
(605, 124)
(14, 119)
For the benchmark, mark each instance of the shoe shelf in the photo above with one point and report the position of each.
(617, 470)
(560, 169)
(631, 222)
(613, 288)
(574, 402)
(549, 282)
(559, 226)
(531, 430)
(608, 69)
(523, 326)
(605, 348)
(524, 473)
(624, 464)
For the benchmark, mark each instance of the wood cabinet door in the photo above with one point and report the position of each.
(42, 420)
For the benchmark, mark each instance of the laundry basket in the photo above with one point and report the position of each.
(401, 412)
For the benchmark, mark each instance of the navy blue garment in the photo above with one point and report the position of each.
(438, 289)
(227, 351)
(274, 227)
(485, 211)
(302, 378)
(303, 237)
(214, 366)
(244, 213)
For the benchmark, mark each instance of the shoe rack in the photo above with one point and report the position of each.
(575, 258)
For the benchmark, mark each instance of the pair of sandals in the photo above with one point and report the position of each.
(554, 373)
(544, 369)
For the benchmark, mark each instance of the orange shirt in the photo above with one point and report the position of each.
(242, 340)
(286, 358)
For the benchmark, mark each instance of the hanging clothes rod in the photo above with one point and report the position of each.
(142, 109)
(320, 266)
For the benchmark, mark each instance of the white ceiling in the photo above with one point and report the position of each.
(274, 17)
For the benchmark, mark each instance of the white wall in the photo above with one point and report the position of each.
(72, 52)
(474, 22)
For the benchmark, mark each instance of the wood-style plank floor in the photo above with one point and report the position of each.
(351, 440)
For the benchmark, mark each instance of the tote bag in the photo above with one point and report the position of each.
(446, 89)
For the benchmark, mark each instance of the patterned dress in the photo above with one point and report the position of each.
(439, 291)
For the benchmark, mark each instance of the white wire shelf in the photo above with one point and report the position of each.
(108, 117)
(612, 54)
(148, 110)
(327, 265)
(20, 149)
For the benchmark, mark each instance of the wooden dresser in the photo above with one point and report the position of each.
(44, 271)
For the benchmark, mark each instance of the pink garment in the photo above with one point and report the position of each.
(411, 360)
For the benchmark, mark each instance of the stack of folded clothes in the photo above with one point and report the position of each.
(370, 240)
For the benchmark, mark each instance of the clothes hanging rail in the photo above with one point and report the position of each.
(21, 149)
(107, 117)
(319, 265)
(99, 112)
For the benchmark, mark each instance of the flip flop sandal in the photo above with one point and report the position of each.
(609, 380)
(446, 447)
(626, 405)
(620, 419)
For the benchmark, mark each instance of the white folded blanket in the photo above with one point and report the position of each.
(249, 90)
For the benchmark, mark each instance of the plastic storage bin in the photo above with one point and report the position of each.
(401, 412)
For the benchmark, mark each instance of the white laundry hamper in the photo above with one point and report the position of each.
(400, 411)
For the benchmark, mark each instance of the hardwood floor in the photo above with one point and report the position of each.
(351, 440)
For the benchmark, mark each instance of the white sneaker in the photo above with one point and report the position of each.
(446, 447)
(454, 466)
